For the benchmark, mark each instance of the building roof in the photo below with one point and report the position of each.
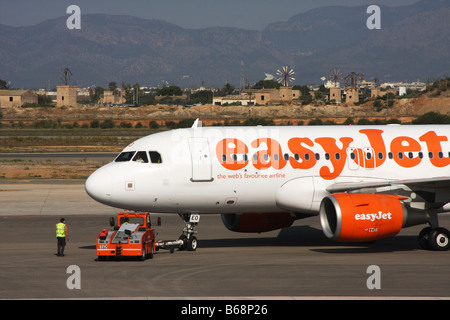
(13, 92)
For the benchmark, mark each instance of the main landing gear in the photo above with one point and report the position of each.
(434, 238)
(189, 241)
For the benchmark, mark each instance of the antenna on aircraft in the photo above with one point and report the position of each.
(197, 123)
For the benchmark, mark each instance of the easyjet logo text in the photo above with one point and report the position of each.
(373, 216)
(234, 154)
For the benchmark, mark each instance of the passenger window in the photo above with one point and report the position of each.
(125, 156)
(141, 156)
(380, 155)
(155, 157)
(317, 156)
(337, 156)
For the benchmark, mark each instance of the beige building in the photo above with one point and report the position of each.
(351, 95)
(66, 96)
(17, 98)
(113, 97)
(260, 97)
(336, 95)
(270, 96)
(243, 99)
(375, 92)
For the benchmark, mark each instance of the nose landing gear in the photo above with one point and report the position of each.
(190, 241)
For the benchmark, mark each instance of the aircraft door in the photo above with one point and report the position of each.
(201, 160)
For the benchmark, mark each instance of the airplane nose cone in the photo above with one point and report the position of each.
(99, 185)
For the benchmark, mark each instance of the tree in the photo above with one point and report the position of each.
(3, 84)
(432, 118)
(95, 94)
(306, 97)
(95, 124)
(226, 90)
(267, 84)
(303, 89)
(203, 96)
(112, 86)
(170, 91)
(107, 124)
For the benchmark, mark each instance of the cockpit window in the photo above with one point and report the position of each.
(155, 157)
(125, 156)
(141, 156)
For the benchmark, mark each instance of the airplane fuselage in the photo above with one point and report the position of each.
(264, 169)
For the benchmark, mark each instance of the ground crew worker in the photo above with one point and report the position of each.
(61, 235)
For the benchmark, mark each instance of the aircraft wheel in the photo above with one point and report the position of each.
(423, 238)
(192, 244)
(439, 239)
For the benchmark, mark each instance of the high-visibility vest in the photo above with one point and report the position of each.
(60, 230)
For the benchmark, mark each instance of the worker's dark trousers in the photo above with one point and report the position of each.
(61, 245)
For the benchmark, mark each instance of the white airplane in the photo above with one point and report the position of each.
(364, 182)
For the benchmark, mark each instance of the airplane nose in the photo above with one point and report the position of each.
(99, 185)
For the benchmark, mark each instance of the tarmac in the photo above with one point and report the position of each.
(291, 264)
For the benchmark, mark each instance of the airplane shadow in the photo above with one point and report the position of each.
(306, 236)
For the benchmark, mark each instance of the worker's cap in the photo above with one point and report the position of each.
(62, 220)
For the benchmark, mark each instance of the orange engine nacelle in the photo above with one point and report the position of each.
(361, 217)
(257, 222)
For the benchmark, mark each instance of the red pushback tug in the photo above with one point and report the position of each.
(132, 237)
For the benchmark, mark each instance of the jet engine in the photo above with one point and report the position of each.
(257, 222)
(357, 217)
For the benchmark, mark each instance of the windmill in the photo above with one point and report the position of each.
(352, 79)
(285, 75)
(269, 76)
(65, 75)
(335, 77)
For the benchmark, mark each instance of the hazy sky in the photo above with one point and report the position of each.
(248, 14)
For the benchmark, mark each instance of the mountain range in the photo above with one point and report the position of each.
(413, 43)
